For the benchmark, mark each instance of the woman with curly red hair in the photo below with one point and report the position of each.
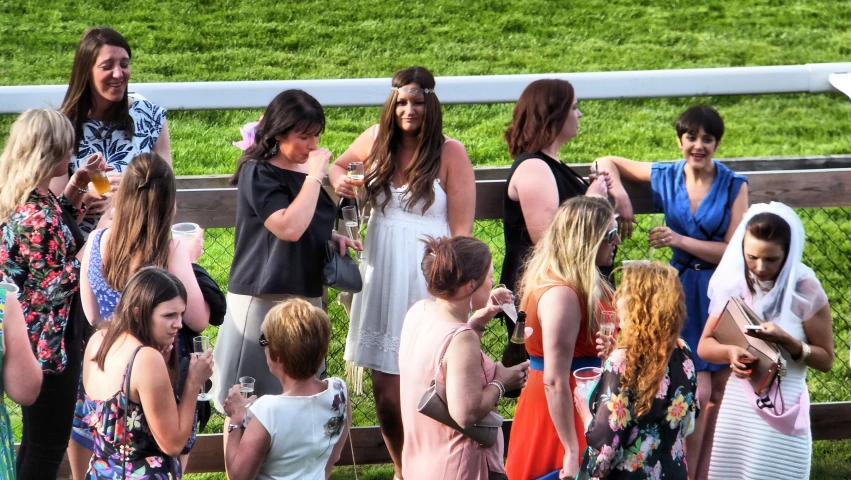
(646, 399)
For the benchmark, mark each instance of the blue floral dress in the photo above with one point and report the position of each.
(117, 148)
(7, 441)
(127, 445)
(621, 446)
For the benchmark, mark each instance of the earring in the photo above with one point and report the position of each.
(471, 307)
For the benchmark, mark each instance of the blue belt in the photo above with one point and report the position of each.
(537, 363)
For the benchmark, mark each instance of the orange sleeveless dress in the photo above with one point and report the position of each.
(535, 448)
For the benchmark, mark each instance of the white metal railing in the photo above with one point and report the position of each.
(809, 78)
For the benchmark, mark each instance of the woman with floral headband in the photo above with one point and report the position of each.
(418, 183)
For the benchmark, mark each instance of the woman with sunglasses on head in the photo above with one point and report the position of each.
(544, 119)
(762, 265)
(128, 372)
(418, 182)
(107, 119)
(300, 433)
(563, 296)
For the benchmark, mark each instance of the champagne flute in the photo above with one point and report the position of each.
(356, 175)
(655, 221)
(199, 346)
(607, 323)
(508, 307)
(352, 226)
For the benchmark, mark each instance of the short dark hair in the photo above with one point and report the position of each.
(449, 263)
(769, 227)
(701, 116)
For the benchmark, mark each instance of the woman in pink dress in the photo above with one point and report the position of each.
(442, 341)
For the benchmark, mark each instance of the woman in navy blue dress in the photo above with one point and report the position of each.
(703, 202)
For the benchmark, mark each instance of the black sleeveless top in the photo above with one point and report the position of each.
(518, 244)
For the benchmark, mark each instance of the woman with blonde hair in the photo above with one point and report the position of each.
(418, 182)
(564, 296)
(301, 432)
(38, 249)
(645, 401)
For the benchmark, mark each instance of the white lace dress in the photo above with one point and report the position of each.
(393, 280)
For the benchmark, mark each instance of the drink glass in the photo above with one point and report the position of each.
(9, 287)
(655, 221)
(352, 226)
(246, 386)
(98, 177)
(508, 307)
(586, 380)
(356, 175)
(199, 346)
(607, 323)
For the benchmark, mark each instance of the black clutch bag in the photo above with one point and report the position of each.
(341, 272)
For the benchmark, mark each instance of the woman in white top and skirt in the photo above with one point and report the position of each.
(768, 437)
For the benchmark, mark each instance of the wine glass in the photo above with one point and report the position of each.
(508, 307)
(199, 346)
(356, 175)
(352, 226)
(607, 323)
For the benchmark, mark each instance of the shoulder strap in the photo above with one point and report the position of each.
(126, 390)
(446, 347)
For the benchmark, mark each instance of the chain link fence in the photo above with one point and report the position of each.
(827, 251)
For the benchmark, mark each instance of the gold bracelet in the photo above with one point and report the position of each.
(805, 353)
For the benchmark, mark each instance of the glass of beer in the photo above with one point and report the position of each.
(98, 177)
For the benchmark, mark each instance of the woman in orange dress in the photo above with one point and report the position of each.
(560, 285)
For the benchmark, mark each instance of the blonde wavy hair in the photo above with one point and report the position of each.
(567, 254)
(39, 141)
(655, 310)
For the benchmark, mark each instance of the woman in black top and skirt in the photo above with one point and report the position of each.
(284, 217)
(545, 118)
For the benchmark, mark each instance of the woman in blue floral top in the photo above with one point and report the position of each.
(645, 402)
(37, 252)
(107, 118)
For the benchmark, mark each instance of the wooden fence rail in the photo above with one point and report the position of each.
(796, 181)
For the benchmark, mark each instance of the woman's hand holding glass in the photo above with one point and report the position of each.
(236, 405)
(317, 162)
(200, 369)
(664, 237)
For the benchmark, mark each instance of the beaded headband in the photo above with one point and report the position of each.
(412, 90)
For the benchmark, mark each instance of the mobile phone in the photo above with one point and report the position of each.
(755, 328)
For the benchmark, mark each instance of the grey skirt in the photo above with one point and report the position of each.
(238, 353)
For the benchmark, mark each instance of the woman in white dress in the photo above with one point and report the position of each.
(763, 265)
(418, 182)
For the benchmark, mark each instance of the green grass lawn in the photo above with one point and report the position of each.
(209, 40)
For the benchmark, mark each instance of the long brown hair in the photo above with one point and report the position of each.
(567, 253)
(78, 98)
(289, 111)
(424, 167)
(539, 116)
(39, 141)
(144, 209)
(148, 288)
(655, 312)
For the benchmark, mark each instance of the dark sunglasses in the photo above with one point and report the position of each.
(611, 235)
(263, 341)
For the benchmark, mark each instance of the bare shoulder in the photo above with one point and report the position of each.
(560, 295)
(454, 152)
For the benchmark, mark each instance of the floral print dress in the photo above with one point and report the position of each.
(124, 442)
(37, 251)
(621, 446)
